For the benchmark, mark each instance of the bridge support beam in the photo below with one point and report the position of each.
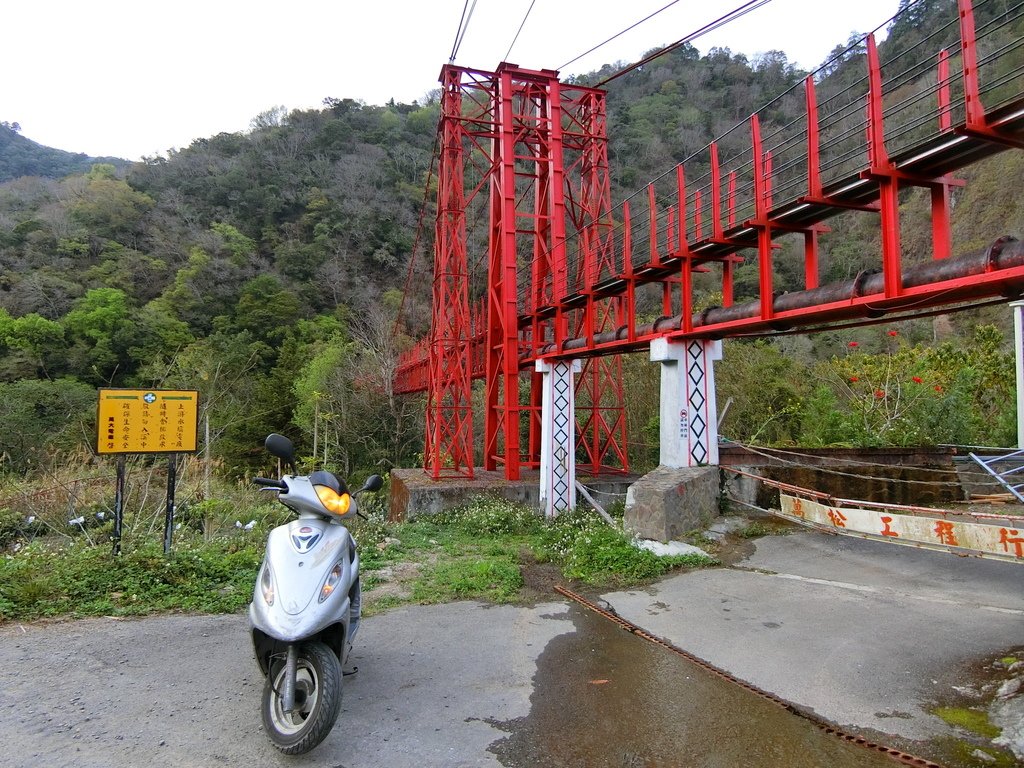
(689, 415)
(558, 436)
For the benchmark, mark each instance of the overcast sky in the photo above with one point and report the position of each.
(130, 78)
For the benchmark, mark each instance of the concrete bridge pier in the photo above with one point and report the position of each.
(682, 494)
(558, 436)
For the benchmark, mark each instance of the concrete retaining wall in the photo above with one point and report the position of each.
(413, 493)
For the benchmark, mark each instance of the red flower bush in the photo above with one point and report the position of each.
(917, 379)
(853, 344)
(879, 393)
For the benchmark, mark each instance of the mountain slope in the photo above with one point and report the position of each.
(23, 157)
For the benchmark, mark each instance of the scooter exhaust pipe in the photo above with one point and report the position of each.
(291, 665)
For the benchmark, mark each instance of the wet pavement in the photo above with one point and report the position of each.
(606, 698)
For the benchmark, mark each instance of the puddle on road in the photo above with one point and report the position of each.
(603, 697)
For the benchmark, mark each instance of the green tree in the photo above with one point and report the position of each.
(109, 206)
(227, 371)
(917, 395)
(101, 329)
(44, 421)
(35, 337)
(266, 309)
(766, 390)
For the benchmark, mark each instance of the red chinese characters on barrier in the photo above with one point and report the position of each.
(838, 518)
(886, 530)
(798, 507)
(945, 533)
(1008, 536)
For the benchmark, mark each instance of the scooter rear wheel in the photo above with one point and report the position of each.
(317, 700)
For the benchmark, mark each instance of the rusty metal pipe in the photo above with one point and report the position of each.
(1004, 253)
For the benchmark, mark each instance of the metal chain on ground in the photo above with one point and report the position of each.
(899, 756)
(604, 493)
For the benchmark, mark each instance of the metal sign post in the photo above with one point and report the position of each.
(118, 505)
(172, 465)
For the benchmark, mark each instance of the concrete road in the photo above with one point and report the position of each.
(863, 634)
(185, 691)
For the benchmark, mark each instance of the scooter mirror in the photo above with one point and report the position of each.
(281, 447)
(373, 483)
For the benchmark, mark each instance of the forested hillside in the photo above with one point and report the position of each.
(265, 269)
(23, 157)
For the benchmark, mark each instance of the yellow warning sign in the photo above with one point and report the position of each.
(147, 421)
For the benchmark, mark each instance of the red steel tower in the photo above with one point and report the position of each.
(539, 148)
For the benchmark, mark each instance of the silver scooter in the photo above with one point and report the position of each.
(306, 604)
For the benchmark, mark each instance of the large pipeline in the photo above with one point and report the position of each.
(1004, 253)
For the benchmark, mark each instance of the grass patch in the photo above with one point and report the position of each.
(588, 550)
(972, 720)
(83, 580)
(477, 551)
(492, 579)
(756, 530)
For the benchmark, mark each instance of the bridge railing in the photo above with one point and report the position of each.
(921, 94)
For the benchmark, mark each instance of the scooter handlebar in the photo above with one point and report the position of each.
(267, 482)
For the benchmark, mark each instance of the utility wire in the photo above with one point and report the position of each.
(521, 25)
(619, 34)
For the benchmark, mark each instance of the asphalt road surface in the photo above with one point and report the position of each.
(866, 635)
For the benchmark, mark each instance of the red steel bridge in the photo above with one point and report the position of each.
(528, 154)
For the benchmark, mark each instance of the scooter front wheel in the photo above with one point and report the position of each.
(317, 700)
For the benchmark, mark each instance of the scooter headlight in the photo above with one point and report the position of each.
(331, 582)
(338, 503)
(267, 585)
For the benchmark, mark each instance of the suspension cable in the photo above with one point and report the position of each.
(521, 25)
(618, 34)
(419, 232)
(460, 33)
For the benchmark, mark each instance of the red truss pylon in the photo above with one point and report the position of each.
(509, 132)
(448, 446)
(599, 396)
